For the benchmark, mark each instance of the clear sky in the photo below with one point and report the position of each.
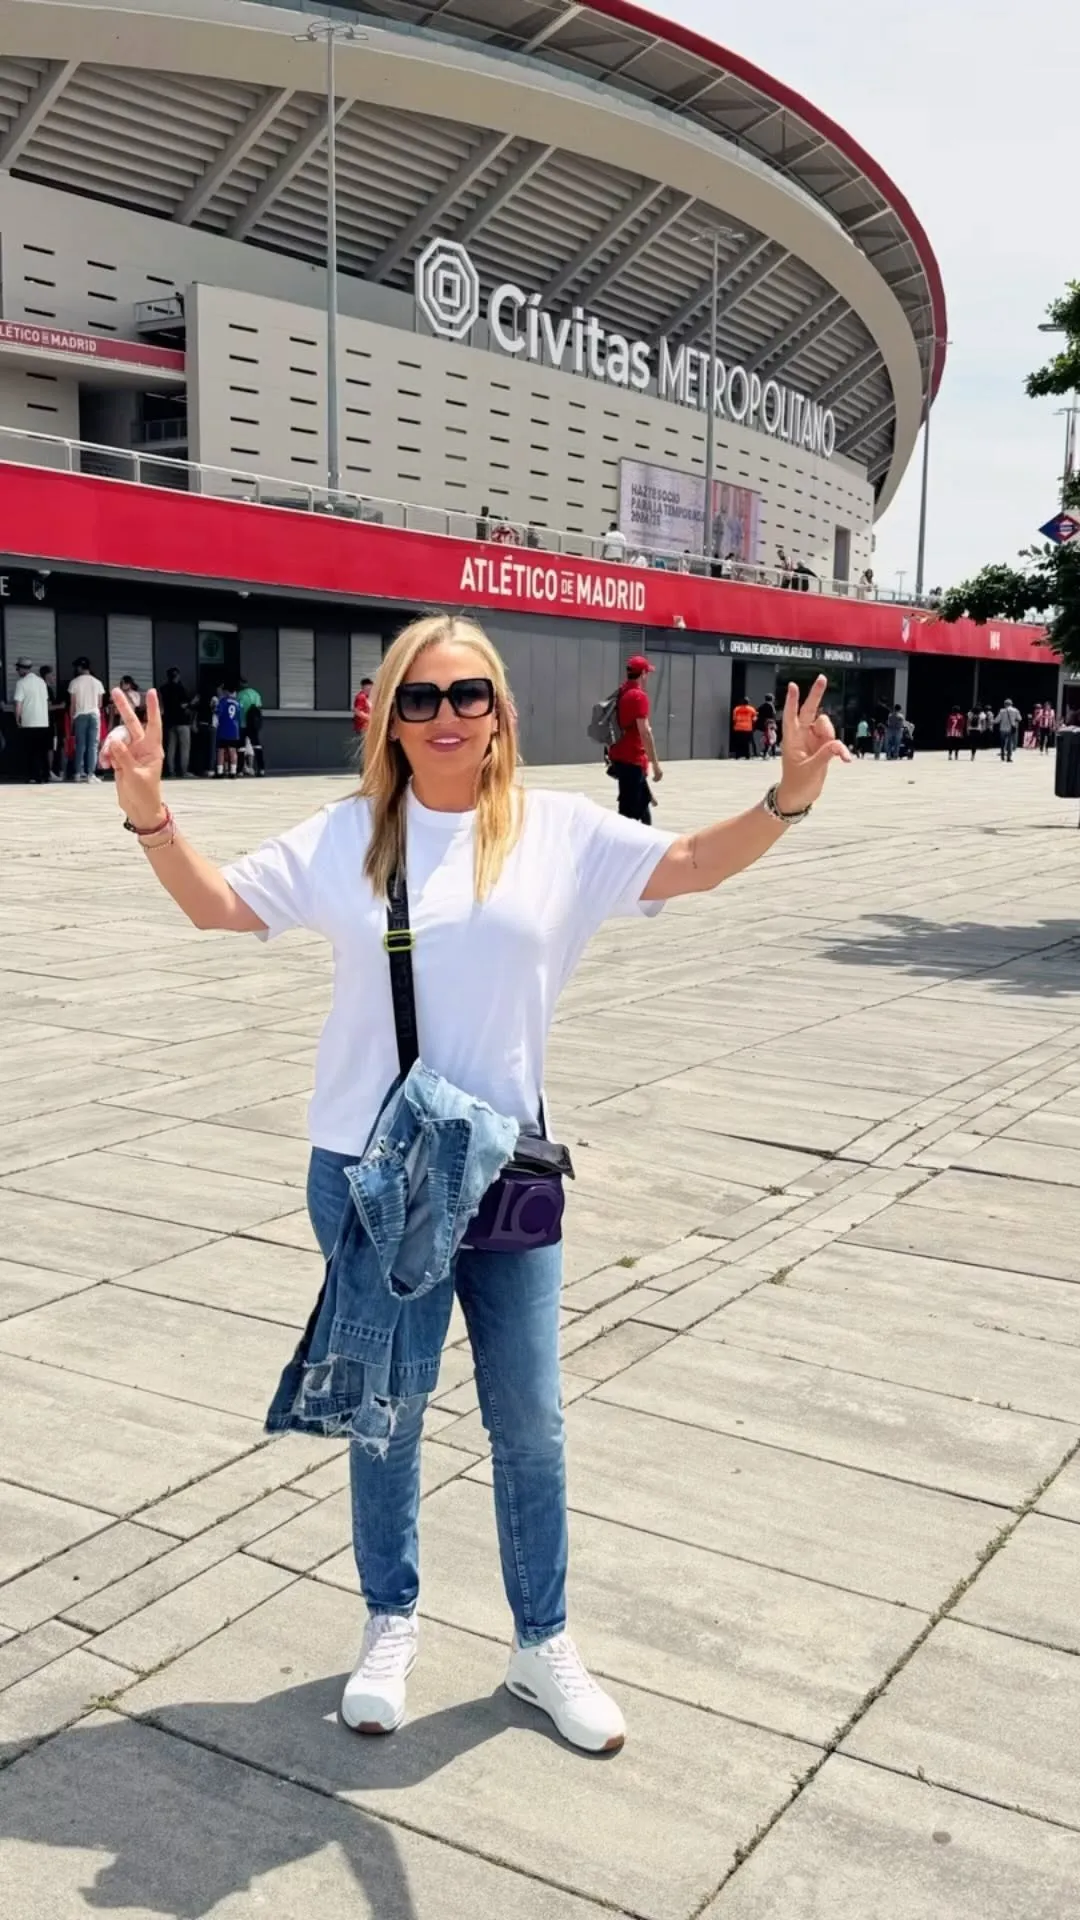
(972, 107)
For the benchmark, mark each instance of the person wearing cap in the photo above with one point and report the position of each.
(635, 749)
(32, 720)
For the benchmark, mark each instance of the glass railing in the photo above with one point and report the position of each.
(23, 447)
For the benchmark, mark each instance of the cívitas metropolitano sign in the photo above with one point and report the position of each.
(447, 288)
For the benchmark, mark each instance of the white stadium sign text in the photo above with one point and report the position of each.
(448, 295)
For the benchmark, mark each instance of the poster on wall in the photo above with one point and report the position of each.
(735, 521)
(660, 509)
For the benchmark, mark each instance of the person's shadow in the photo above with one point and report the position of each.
(186, 1826)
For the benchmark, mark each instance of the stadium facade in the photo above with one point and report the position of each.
(544, 209)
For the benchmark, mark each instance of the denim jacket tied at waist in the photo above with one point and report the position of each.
(433, 1153)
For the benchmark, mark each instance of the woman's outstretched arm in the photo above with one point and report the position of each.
(700, 861)
(198, 887)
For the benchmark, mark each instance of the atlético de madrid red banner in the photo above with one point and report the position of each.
(80, 521)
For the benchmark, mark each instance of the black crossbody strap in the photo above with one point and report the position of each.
(399, 941)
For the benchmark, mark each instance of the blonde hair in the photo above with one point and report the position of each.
(386, 770)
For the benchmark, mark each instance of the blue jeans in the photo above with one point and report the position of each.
(511, 1307)
(87, 736)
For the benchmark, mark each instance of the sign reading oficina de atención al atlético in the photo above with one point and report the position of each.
(448, 295)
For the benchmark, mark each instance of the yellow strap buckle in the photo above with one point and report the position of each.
(399, 939)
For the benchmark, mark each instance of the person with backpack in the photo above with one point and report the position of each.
(457, 904)
(633, 749)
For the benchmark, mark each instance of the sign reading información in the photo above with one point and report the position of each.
(448, 294)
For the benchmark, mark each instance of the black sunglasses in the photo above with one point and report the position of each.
(422, 700)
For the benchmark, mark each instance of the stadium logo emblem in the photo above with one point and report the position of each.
(448, 289)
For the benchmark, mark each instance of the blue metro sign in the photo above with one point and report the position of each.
(1062, 528)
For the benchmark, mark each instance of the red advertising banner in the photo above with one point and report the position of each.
(72, 519)
(91, 346)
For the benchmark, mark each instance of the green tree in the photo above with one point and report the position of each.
(1046, 584)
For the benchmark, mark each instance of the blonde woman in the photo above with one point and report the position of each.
(505, 887)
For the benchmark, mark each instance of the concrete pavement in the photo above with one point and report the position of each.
(821, 1366)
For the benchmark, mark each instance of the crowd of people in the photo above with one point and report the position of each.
(59, 731)
(1008, 729)
(889, 733)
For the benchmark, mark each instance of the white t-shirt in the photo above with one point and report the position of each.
(614, 547)
(487, 975)
(85, 694)
(32, 700)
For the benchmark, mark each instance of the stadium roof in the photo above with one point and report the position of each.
(172, 120)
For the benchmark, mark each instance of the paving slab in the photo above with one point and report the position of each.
(191, 1613)
(243, 1276)
(954, 1295)
(187, 1196)
(224, 1361)
(87, 1241)
(789, 1511)
(71, 1577)
(985, 1715)
(237, 1150)
(169, 1572)
(651, 1832)
(865, 1844)
(988, 1221)
(22, 1288)
(217, 1095)
(1030, 1588)
(914, 1348)
(983, 1453)
(55, 1695)
(110, 1446)
(35, 1525)
(229, 1842)
(268, 1464)
(55, 1135)
(1062, 1497)
(766, 1647)
(23, 1653)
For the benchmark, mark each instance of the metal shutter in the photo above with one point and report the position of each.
(296, 668)
(30, 631)
(365, 659)
(131, 650)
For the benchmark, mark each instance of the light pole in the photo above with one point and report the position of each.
(1070, 412)
(713, 235)
(920, 560)
(332, 31)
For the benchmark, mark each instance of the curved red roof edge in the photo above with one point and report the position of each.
(679, 36)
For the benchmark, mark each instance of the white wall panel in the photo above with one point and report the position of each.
(296, 667)
(431, 423)
(29, 632)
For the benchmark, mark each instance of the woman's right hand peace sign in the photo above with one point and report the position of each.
(137, 761)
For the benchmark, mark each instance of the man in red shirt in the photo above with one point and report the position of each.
(361, 715)
(635, 750)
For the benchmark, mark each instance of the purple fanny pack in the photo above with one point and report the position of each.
(523, 1208)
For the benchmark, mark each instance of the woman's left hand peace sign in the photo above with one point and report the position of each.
(808, 748)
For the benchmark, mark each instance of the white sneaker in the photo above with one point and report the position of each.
(374, 1696)
(554, 1677)
(93, 780)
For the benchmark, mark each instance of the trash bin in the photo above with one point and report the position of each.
(1067, 764)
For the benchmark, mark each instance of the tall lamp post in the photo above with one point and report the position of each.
(1070, 412)
(1069, 469)
(712, 236)
(332, 31)
(936, 341)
